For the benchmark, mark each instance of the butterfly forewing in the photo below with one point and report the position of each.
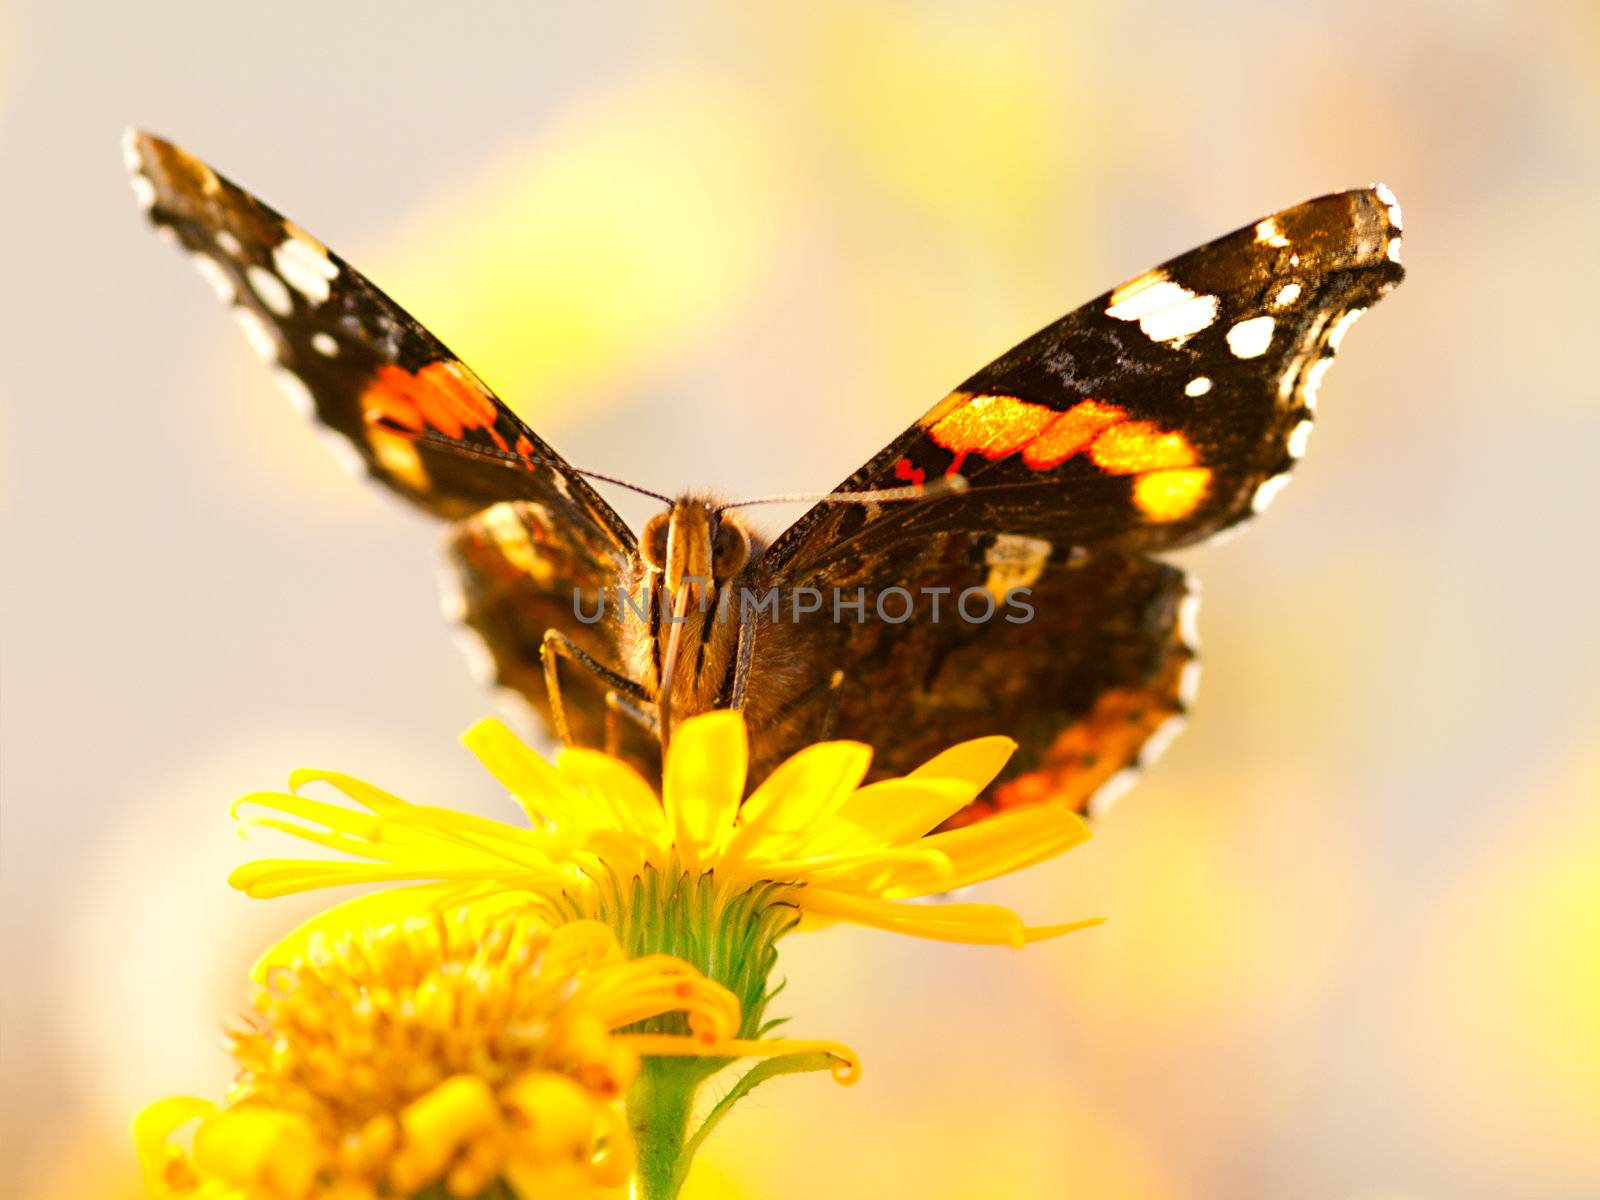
(1150, 418)
(420, 420)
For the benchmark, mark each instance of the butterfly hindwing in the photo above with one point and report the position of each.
(1150, 418)
(420, 420)
(1083, 669)
(523, 573)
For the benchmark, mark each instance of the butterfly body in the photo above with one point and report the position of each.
(1027, 601)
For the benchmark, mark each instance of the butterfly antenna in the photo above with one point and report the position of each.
(506, 458)
(945, 485)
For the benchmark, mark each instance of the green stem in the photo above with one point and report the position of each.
(659, 1104)
(729, 937)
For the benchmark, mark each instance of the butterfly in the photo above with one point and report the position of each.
(991, 570)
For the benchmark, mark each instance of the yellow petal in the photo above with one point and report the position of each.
(1007, 842)
(704, 781)
(157, 1122)
(913, 870)
(362, 792)
(535, 784)
(972, 924)
(893, 811)
(976, 762)
(614, 786)
(802, 792)
(259, 1148)
(373, 911)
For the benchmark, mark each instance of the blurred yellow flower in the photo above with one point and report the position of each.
(443, 1053)
(809, 840)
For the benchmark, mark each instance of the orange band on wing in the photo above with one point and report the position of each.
(1170, 484)
(1134, 447)
(1171, 495)
(442, 396)
(1071, 433)
(993, 426)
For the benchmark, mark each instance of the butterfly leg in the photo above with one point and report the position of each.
(739, 686)
(619, 706)
(557, 646)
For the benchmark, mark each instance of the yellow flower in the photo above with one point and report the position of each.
(809, 839)
(447, 1054)
(702, 873)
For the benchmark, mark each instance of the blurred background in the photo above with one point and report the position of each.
(1354, 939)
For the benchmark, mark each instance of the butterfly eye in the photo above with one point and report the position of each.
(731, 550)
(653, 545)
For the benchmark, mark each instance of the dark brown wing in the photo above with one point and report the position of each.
(1159, 413)
(523, 572)
(420, 420)
(1089, 669)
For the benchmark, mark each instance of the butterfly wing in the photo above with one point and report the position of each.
(1158, 414)
(523, 573)
(1090, 670)
(1150, 418)
(422, 423)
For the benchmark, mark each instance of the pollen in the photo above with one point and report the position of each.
(436, 1056)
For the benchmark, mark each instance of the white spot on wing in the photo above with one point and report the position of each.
(1342, 327)
(270, 289)
(131, 158)
(1189, 683)
(1298, 437)
(1180, 320)
(229, 243)
(1268, 492)
(349, 457)
(1165, 310)
(1387, 196)
(143, 191)
(1189, 617)
(1158, 742)
(257, 334)
(1287, 294)
(1250, 339)
(299, 395)
(1268, 234)
(1394, 250)
(480, 662)
(1198, 386)
(1112, 790)
(1014, 561)
(211, 271)
(1314, 381)
(305, 266)
(324, 344)
(452, 600)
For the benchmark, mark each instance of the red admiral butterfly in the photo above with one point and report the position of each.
(1152, 417)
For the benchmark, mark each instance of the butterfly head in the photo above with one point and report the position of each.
(695, 546)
